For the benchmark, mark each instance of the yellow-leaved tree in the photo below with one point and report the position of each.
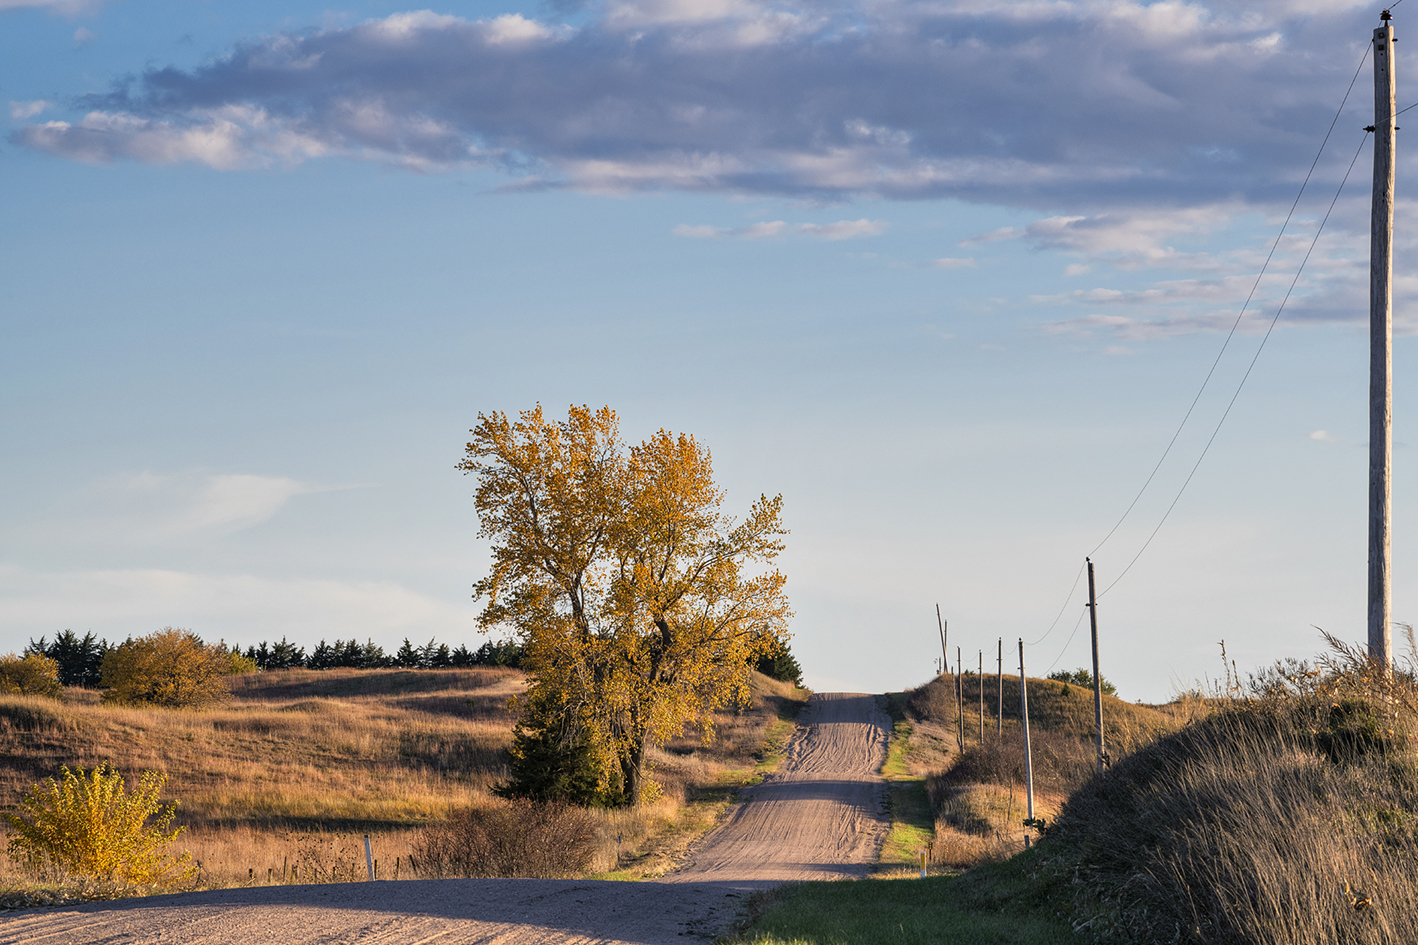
(639, 603)
(171, 668)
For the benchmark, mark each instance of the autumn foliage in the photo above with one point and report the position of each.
(33, 675)
(171, 668)
(88, 825)
(640, 605)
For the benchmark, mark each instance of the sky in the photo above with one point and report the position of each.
(947, 275)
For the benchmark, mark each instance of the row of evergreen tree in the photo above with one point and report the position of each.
(80, 658)
(370, 655)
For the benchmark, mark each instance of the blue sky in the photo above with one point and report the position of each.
(945, 274)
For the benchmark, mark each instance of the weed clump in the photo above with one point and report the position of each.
(520, 838)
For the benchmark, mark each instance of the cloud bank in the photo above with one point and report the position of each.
(1069, 102)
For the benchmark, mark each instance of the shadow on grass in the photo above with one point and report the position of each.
(991, 905)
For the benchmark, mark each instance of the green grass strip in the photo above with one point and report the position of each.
(1002, 905)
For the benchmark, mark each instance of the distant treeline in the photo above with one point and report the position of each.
(80, 658)
(370, 655)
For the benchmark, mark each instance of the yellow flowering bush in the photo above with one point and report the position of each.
(88, 825)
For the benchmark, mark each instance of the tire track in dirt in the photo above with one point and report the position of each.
(822, 816)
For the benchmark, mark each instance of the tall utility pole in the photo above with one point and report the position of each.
(1097, 676)
(944, 656)
(999, 690)
(980, 678)
(1381, 350)
(1028, 754)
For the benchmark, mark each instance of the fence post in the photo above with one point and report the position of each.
(368, 858)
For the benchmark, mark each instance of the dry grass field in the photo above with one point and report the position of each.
(282, 782)
(971, 804)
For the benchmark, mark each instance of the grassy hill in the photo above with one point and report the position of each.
(286, 777)
(970, 804)
(1284, 811)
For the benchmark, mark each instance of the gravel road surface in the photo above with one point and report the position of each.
(823, 816)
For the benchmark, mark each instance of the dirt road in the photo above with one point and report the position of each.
(821, 817)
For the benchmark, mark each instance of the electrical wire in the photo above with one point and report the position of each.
(1249, 368)
(1066, 602)
(1078, 623)
(1241, 314)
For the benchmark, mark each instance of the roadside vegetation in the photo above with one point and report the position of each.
(281, 781)
(1278, 809)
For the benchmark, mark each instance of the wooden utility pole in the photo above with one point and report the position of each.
(960, 696)
(981, 682)
(1097, 676)
(1381, 350)
(1028, 755)
(999, 690)
(944, 654)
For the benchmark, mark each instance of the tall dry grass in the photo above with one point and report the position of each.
(977, 796)
(1287, 815)
(282, 782)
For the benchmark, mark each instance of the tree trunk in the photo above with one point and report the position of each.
(632, 770)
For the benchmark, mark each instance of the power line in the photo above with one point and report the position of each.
(1249, 368)
(1207, 380)
(1241, 314)
(1078, 623)
(1060, 614)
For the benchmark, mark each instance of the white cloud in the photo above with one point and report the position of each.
(786, 97)
(1141, 329)
(83, 36)
(1323, 436)
(701, 232)
(844, 229)
(22, 110)
(115, 603)
(61, 7)
(841, 230)
(760, 231)
(514, 29)
(147, 508)
(241, 500)
(949, 263)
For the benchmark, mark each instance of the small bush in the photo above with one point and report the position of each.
(87, 825)
(238, 665)
(1082, 677)
(34, 675)
(520, 838)
(172, 668)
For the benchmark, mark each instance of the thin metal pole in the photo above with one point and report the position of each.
(1381, 351)
(1028, 755)
(1097, 676)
